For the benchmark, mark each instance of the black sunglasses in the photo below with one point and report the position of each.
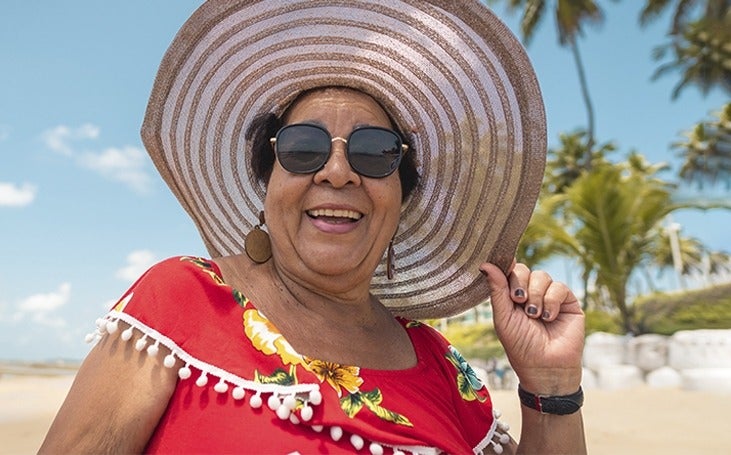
(372, 151)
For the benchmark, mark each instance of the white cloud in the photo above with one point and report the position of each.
(137, 263)
(40, 307)
(126, 165)
(59, 138)
(12, 195)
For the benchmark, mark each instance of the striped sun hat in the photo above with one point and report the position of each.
(450, 73)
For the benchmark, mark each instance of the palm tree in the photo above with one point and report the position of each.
(683, 10)
(570, 159)
(700, 34)
(611, 223)
(707, 150)
(570, 16)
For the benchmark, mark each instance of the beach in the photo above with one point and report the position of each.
(640, 420)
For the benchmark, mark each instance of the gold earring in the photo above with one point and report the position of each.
(390, 261)
(257, 244)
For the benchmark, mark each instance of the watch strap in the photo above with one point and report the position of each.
(546, 404)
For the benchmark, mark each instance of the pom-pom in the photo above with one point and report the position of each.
(202, 380)
(282, 412)
(90, 337)
(127, 334)
(140, 344)
(100, 323)
(153, 350)
(356, 441)
(238, 393)
(336, 433)
(255, 401)
(504, 438)
(376, 448)
(290, 402)
(184, 373)
(496, 413)
(397, 452)
(169, 361)
(317, 428)
(293, 418)
(498, 449)
(503, 426)
(221, 387)
(306, 413)
(112, 326)
(315, 397)
(273, 402)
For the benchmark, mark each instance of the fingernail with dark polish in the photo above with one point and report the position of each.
(546, 315)
(520, 293)
(532, 310)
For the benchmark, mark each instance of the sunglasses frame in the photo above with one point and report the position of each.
(403, 148)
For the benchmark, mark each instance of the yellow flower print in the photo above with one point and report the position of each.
(267, 339)
(336, 375)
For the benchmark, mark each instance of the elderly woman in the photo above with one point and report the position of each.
(305, 338)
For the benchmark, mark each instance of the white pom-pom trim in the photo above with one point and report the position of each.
(273, 402)
(336, 433)
(375, 448)
(169, 361)
(238, 393)
(221, 387)
(255, 401)
(356, 441)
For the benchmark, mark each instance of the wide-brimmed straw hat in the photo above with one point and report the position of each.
(453, 77)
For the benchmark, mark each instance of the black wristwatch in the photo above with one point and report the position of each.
(559, 405)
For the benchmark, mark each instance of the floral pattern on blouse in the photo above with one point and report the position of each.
(345, 380)
(468, 383)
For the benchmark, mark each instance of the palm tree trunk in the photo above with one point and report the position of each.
(587, 101)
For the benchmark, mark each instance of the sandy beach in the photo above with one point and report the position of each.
(636, 421)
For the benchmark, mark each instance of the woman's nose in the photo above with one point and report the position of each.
(337, 171)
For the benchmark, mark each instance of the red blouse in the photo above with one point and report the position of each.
(243, 388)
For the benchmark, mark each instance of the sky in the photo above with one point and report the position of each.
(83, 212)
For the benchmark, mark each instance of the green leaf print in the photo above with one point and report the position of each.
(279, 377)
(353, 403)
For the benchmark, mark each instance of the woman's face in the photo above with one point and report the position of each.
(334, 221)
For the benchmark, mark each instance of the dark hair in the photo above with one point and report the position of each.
(265, 126)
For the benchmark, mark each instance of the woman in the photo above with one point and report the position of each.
(291, 345)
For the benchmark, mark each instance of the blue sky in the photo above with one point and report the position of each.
(83, 212)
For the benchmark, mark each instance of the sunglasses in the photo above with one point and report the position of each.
(372, 151)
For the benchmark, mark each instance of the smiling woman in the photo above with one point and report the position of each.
(393, 152)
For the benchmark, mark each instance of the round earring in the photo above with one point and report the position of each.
(257, 244)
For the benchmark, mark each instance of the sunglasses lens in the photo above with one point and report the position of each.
(374, 152)
(302, 149)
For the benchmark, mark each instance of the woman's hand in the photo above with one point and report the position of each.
(541, 326)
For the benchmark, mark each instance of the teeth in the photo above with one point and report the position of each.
(335, 213)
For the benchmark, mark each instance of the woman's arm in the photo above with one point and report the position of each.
(541, 326)
(115, 402)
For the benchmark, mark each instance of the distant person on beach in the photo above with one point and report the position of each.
(353, 168)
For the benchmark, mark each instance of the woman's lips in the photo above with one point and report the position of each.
(335, 214)
(334, 221)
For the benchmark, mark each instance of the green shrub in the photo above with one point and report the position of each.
(699, 309)
(602, 321)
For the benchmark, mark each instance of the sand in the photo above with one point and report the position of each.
(640, 420)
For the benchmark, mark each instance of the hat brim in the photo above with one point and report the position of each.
(450, 73)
